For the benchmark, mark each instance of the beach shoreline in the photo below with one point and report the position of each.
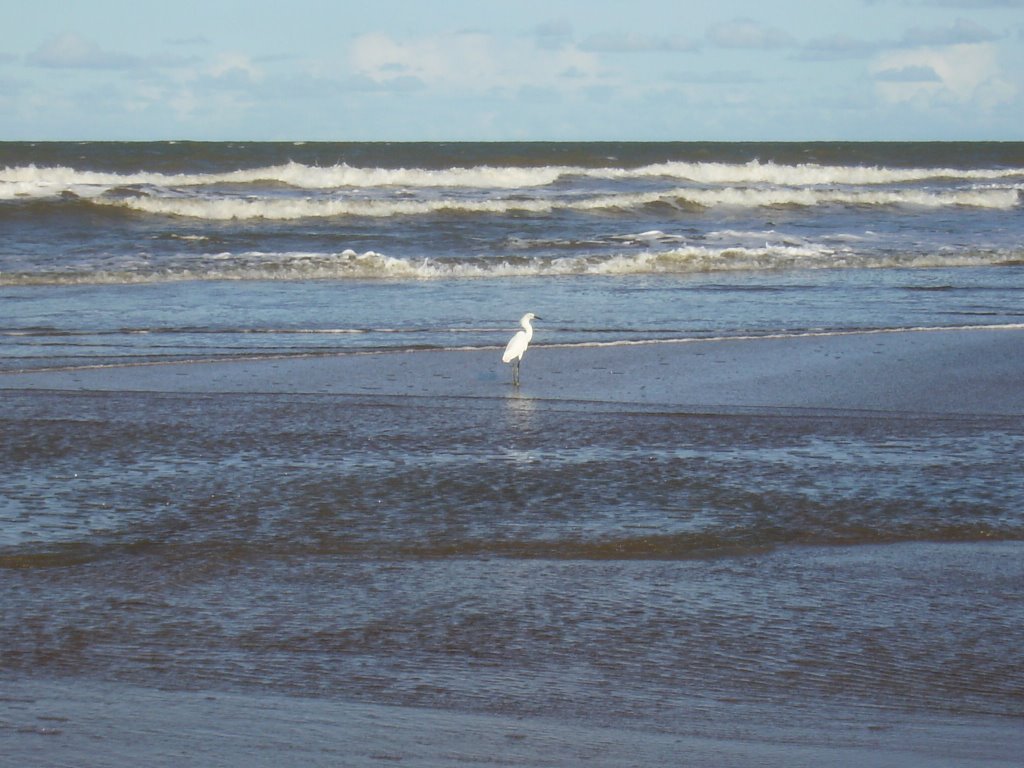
(975, 371)
(103, 724)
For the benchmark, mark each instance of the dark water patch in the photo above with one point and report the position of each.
(911, 627)
(309, 474)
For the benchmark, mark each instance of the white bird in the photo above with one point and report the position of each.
(516, 347)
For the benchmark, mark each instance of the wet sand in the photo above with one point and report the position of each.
(956, 372)
(65, 723)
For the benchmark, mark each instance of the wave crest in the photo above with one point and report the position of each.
(41, 181)
(285, 208)
(370, 265)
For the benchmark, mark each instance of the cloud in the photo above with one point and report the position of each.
(71, 51)
(552, 35)
(194, 40)
(841, 46)
(398, 84)
(632, 42)
(963, 74)
(949, 65)
(716, 77)
(970, 5)
(468, 62)
(962, 31)
(379, 58)
(977, 5)
(235, 65)
(746, 33)
(909, 74)
(836, 48)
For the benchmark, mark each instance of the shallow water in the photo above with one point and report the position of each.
(516, 556)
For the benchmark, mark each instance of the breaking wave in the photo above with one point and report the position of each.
(281, 209)
(370, 265)
(37, 181)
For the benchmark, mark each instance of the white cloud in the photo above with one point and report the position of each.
(380, 59)
(234, 64)
(961, 31)
(841, 46)
(964, 73)
(468, 61)
(911, 74)
(977, 4)
(836, 48)
(633, 42)
(746, 33)
(193, 40)
(957, 64)
(71, 51)
(553, 35)
(715, 77)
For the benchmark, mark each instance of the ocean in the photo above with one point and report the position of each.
(256, 438)
(117, 252)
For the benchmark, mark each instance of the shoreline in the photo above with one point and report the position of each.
(63, 721)
(942, 372)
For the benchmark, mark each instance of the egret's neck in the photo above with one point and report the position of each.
(527, 327)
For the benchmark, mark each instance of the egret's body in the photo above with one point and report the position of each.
(516, 347)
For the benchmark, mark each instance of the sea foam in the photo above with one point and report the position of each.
(289, 208)
(42, 181)
(673, 259)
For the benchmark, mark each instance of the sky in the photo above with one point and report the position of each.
(461, 70)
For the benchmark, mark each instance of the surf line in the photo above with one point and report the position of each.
(487, 347)
(776, 336)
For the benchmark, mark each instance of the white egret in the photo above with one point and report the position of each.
(516, 347)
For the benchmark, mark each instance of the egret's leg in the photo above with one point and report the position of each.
(515, 372)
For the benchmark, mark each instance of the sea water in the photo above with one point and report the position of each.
(586, 561)
(163, 251)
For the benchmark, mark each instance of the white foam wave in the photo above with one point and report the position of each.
(1003, 198)
(370, 265)
(36, 181)
(290, 208)
(805, 174)
(283, 209)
